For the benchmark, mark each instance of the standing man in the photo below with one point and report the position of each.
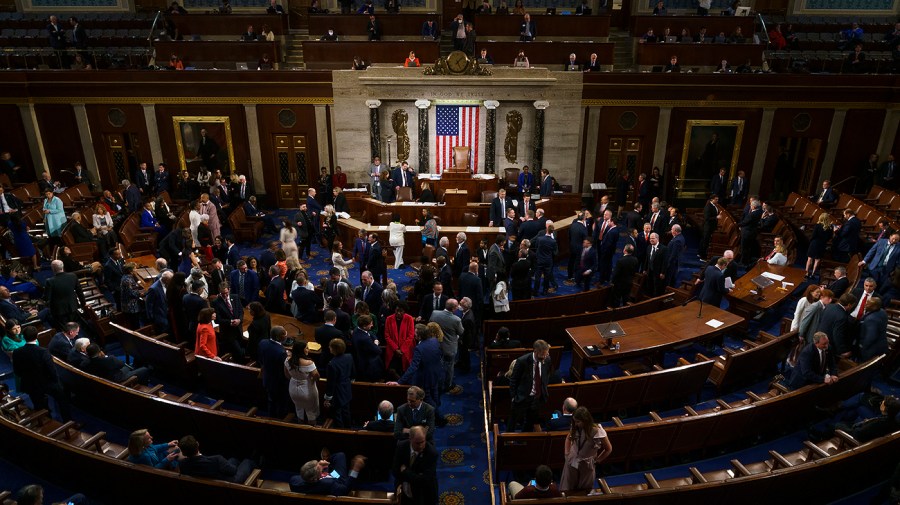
(458, 28)
(546, 183)
(846, 240)
(546, 248)
(453, 329)
(272, 356)
(33, 365)
(63, 295)
(673, 254)
(245, 282)
(528, 386)
(655, 267)
(623, 277)
(415, 469)
(56, 33)
(527, 31)
(161, 179)
(739, 189)
(306, 230)
(889, 173)
(157, 304)
(719, 184)
(714, 283)
(375, 261)
(499, 206)
(881, 260)
(462, 257)
(749, 226)
(587, 263)
(144, 180)
(606, 237)
(496, 266)
(373, 28)
(375, 173)
(710, 223)
(230, 317)
(578, 232)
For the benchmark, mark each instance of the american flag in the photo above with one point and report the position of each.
(457, 125)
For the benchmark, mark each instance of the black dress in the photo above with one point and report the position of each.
(819, 240)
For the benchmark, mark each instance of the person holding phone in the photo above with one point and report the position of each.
(384, 418)
(329, 475)
(542, 486)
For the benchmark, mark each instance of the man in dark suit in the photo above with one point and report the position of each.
(415, 469)
(245, 283)
(143, 179)
(578, 231)
(826, 198)
(383, 422)
(369, 291)
(324, 334)
(308, 304)
(216, 276)
(546, 183)
(157, 304)
(563, 419)
(463, 256)
(719, 184)
(470, 287)
(63, 342)
(191, 304)
(673, 255)
(112, 368)
(527, 31)
(233, 256)
(196, 464)
(528, 386)
(872, 331)
(739, 189)
(641, 243)
(311, 480)
(436, 300)
(271, 356)
(841, 283)
(846, 240)
(113, 270)
(230, 317)
(633, 219)
(714, 283)
(530, 228)
(889, 173)
(9, 310)
(749, 227)
(403, 176)
(56, 34)
(415, 412)
(79, 34)
(373, 28)
(586, 263)
(275, 292)
(270, 225)
(593, 65)
(655, 267)
(62, 294)
(835, 321)
(546, 248)
(10, 208)
(375, 260)
(623, 277)
(606, 237)
(33, 365)
(710, 222)
(426, 369)
(815, 364)
(510, 223)
(132, 196)
(499, 205)
(657, 220)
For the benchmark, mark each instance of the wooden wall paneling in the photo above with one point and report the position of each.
(287, 120)
(752, 118)
(625, 123)
(120, 140)
(792, 125)
(859, 138)
(165, 113)
(12, 139)
(896, 147)
(59, 131)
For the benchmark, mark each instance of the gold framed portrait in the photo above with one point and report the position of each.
(708, 146)
(204, 140)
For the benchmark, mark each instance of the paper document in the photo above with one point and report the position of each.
(728, 283)
(715, 323)
(473, 229)
(774, 277)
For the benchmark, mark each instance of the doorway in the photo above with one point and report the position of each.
(291, 161)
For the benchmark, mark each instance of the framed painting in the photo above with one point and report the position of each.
(708, 146)
(204, 140)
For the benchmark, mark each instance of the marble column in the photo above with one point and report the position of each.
(834, 138)
(537, 154)
(87, 142)
(762, 151)
(374, 127)
(33, 136)
(490, 136)
(153, 135)
(662, 137)
(424, 160)
(888, 133)
(255, 168)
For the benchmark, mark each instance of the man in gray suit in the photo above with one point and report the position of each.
(809, 322)
(452, 326)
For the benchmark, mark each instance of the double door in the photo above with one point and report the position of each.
(291, 170)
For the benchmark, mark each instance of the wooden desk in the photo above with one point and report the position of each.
(713, 24)
(290, 323)
(339, 55)
(392, 25)
(228, 24)
(709, 55)
(546, 26)
(474, 186)
(652, 334)
(411, 212)
(547, 53)
(218, 51)
(743, 302)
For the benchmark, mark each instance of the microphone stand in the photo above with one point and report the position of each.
(700, 312)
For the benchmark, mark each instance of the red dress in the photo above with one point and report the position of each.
(402, 337)
(206, 341)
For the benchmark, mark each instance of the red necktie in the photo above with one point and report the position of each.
(652, 220)
(537, 380)
(862, 306)
(228, 303)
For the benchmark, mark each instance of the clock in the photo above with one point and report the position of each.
(457, 62)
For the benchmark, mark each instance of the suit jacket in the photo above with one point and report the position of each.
(191, 305)
(872, 335)
(522, 378)
(340, 373)
(63, 295)
(470, 286)
(496, 265)
(373, 28)
(375, 261)
(324, 334)
(809, 369)
(530, 27)
(530, 229)
(421, 475)
(809, 321)
(307, 303)
(224, 316)
(234, 255)
(839, 286)
(585, 262)
(275, 296)
(213, 467)
(106, 367)
(425, 369)
(750, 222)
(112, 274)
(461, 260)
(33, 365)
(875, 257)
(718, 185)
(340, 203)
(623, 274)
(847, 239)
(427, 305)
(659, 225)
(60, 346)
(497, 214)
(673, 253)
(251, 285)
(157, 306)
(271, 356)
(10, 310)
(144, 181)
(368, 361)
(827, 196)
(713, 286)
(546, 186)
(739, 194)
(561, 423)
(577, 233)
(545, 249)
(610, 239)
(372, 296)
(833, 321)
(656, 264)
(217, 277)
(133, 198)
(406, 418)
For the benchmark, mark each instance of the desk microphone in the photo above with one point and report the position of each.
(700, 312)
(299, 330)
(689, 300)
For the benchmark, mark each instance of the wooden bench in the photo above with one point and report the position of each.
(245, 229)
(689, 432)
(497, 361)
(755, 359)
(135, 241)
(166, 358)
(607, 396)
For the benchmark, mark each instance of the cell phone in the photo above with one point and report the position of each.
(554, 416)
(335, 474)
(389, 419)
(532, 483)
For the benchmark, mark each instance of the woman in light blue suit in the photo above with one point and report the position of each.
(54, 217)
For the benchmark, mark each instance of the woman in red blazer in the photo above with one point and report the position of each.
(206, 335)
(400, 337)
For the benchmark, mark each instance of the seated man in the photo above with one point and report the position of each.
(541, 487)
(249, 35)
(252, 211)
(110, 367)
(673, 66)
(815, 364)
(78, 356)
(562, 420)
(9, 309)
(384, 420)
(195, 464)
(315, 477)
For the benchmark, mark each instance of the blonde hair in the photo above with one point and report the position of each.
(435, 330)
(824, 219)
